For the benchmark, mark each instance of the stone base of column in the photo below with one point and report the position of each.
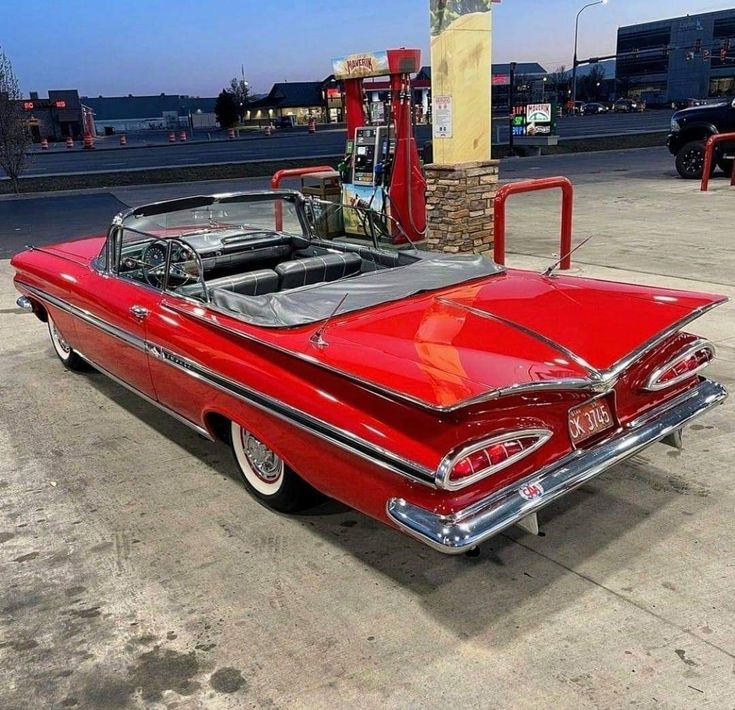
(459, 206)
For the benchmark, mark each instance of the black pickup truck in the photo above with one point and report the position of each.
(690, 129)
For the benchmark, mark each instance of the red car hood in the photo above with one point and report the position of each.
(445, 348)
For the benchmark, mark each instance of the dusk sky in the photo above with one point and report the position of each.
(187, 47)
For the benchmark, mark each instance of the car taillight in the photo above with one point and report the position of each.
(484, 458)
(686, 364)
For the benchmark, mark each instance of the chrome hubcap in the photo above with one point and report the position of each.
(693, 161)
(266, 464)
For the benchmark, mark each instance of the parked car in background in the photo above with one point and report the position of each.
(444, 395)
(593, 108)
(690, 129)
(628, 106)
(285, 122)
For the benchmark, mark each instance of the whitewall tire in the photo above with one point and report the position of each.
(63, 350)
(267, 476)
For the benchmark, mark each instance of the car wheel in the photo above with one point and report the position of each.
(267, 477)
(71, 359)
(690, 160)
(725, 164)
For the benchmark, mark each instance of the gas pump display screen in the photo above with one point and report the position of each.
(362, 150)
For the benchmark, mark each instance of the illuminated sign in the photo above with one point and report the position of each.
(500, 79)
(357, 66)
(28, 105)
(60, 103)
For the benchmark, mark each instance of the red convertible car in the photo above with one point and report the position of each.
(444, 395)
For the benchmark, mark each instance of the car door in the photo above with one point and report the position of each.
(115, 304)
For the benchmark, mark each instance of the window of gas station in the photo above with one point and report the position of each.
(724, 86)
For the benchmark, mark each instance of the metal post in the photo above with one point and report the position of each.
(574, 61)
(511, 101)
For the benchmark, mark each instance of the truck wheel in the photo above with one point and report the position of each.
(267, 477)
(725, 164)
(690, 160)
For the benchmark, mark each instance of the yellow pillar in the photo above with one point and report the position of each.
(460, 80)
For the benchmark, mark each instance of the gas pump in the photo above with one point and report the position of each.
(381, 169)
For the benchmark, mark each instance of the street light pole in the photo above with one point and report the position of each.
(574, 61)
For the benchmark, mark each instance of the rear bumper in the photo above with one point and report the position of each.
(467, 528)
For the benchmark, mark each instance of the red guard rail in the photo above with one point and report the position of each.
(292, 173)
(512, 188)
(709, 150)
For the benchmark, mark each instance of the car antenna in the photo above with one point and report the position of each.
(317, 337)
(549, 271)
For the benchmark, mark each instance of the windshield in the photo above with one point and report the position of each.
(219, 216)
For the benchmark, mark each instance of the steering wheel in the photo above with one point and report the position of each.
(153, 265)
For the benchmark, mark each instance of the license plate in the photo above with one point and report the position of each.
(589, 419)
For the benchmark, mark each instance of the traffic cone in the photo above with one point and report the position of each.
(123, 139)
(88, 141)
(231, 132)
(312, 125)
(44, 144)
(172, 137)
(69, 142)
(268, 129)
(182, 136)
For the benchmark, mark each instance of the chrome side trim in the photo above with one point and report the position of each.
(88, 317)
(340, 437)
(198, 429)
(471, 526)
(653, 385)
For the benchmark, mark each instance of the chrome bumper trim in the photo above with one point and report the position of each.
(467, 528)
(25, 303)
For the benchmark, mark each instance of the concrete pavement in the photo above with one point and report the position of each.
(136, 572)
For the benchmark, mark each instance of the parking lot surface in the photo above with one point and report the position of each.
(137, 572)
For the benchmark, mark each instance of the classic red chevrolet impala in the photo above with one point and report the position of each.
(446, 396)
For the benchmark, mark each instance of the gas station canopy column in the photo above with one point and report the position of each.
(462, 180)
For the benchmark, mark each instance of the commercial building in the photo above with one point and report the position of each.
(300, 99)
(62, 114)
(165, 111)
(677, 59)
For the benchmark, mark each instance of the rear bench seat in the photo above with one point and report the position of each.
(330, 267)
(253, 283)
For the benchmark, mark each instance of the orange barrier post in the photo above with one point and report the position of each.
(88, 141)
(292, 173)
(231, 132)
(182, 136)
(44, 144)
(268, 130)
(69, 142)
(123, 139)
(172, 137)
(312, 125)
(709, 150)
(512, 188)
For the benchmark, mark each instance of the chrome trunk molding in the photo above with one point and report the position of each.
(468, 528)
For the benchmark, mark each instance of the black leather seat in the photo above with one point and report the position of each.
(330, 267)
(253, 283)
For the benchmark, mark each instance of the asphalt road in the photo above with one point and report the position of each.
(45, 219)
(295, 144)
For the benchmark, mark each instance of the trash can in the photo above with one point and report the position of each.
(325, 186)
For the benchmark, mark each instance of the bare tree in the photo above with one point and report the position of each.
(15, 137)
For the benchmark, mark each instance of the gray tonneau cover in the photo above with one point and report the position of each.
(311, 304)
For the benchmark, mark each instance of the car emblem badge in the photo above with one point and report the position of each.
(531, 491)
